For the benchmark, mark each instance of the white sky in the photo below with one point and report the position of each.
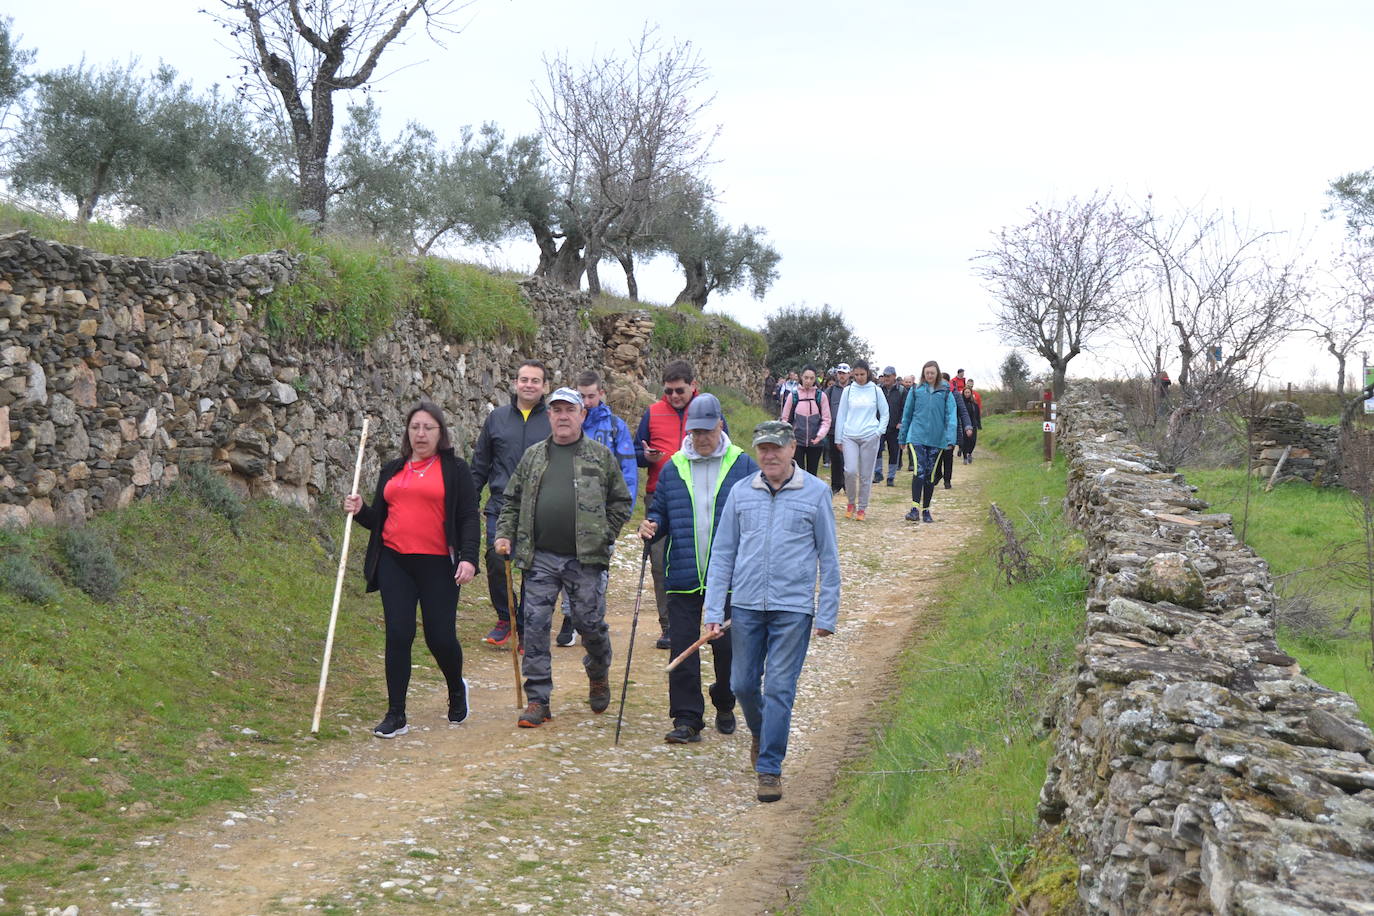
(881, 143)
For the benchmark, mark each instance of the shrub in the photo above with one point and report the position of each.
(19, 575)
(91, 564)
(198, 482)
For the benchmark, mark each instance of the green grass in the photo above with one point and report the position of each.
(1299, 529)
(940, 814)
(119, 716)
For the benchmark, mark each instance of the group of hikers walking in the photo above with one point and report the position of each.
(853, 421)
(745, 544)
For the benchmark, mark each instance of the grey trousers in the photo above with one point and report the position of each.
(549, 574)
(656, 561)
(859, 455)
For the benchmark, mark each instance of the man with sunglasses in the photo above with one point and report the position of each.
(661, 432)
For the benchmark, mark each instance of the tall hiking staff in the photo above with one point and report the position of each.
(515, 638)
(338, 584)
(630, 649)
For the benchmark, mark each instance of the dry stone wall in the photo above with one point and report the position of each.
(115, 371)
(1196, 769)
(1309, 451)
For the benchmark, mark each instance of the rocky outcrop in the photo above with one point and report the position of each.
(114, 371)
(1196, 769)
(1309, 451)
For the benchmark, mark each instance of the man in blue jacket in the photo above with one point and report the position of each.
(776, 532)
(605, 427)
(686, 509)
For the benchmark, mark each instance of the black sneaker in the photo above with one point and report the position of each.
(725, 721)
(948, 484)
(663, 642)
(877, 478)
(925, 515)
(392, 725)
(892, 481)
(770, 787)
(567, 636)
(683, 734)
(458, 705)
(914, 515)
(599, 695)
(535, 715)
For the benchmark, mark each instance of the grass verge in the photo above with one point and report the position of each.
(940, 813)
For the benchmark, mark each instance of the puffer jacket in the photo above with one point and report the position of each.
(603, 502)
(929, 416)
(674, 511)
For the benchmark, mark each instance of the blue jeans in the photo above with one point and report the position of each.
(768, 646)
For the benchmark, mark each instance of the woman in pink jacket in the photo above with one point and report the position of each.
(809, 413)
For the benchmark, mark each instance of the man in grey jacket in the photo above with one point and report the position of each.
(776, 532)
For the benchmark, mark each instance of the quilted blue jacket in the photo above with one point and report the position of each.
(673, 510)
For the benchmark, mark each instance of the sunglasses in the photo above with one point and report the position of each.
(667, 390)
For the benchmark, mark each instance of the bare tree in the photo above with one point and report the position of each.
(618, 133)
(1342, 318)
(307, 50)
(1062, 278)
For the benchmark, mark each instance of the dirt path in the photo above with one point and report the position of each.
(485, 817)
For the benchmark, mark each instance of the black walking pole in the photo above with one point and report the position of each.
(630, 649)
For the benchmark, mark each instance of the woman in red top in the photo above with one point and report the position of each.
(423, 546)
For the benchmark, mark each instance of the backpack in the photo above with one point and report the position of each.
(807, 432)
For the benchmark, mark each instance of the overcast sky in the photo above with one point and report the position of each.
(881, 143)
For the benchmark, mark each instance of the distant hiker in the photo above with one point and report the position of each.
(969, 436)
(908, 383)
(944, 465)
(506, 433)
(787, 388)
(835, 392)
(896, 399)
(859, 426)
(977, 395)
(424, 545)
(928, 427)
(957, 383)
(767, 569)
(565, 506)
(612, 432)
(660, 435)
(686, 510)
(809, 413)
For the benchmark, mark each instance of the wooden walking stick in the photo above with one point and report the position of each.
(514, 636)
(338, 584)
(630, 649)
(705, 638)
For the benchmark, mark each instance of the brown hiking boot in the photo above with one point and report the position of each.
(599, 694)
(770, 787)
(535, 715)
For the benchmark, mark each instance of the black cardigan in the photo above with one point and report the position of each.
(461, 525)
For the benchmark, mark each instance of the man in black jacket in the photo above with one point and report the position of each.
(834, 392)
(506, 433)
(896, 400)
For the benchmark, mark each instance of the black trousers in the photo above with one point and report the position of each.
(685, 703)
(944, 467)
(496, 573)
(809, 457)
(888, 443)
(836, 469)
(404, 579)
(970, 442)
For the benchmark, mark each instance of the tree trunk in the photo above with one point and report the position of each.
(1185, 354)
(592, 261)
(1340, 369)
(695, 291)
(626, 258)
(1060, 367)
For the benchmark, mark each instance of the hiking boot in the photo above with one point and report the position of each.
(683, 734)
(925, 516)
(877, 478)
(913, 515)
(535, 715)
(663, 642)
(725, 721)
(849, 511)
(392, 725)
(599, 694)
(753, 751)
(859, 516)
(948, 484)
(892, 481)
(499, 635)
(567, 636)
(770, 787)
(458, 705)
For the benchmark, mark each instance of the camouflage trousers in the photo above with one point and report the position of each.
(550, 573)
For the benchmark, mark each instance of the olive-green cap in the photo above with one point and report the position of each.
(775, 431)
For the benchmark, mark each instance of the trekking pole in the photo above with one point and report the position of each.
(693, 648)
(514, 635)
(630, 649)
(338, 585)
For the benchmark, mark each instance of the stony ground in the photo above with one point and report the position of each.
(487, 818)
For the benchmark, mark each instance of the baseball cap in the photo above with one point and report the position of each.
(567, 394)
(774, 431)
(842, 367)
(889, 370)
(703, 413)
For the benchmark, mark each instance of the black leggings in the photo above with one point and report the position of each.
(406, 578)
(944, 467)
(810, 456)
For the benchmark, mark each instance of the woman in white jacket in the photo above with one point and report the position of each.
(859, 425)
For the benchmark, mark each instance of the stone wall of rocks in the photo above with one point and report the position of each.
(1313, 449)
(1196, 769)
(114, 371)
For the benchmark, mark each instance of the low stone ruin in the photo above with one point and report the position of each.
(1196, 768)
(1309, 451)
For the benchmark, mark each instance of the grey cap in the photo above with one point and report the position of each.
(703, 413)
(889, 370)
(773, 431)
(566, 394)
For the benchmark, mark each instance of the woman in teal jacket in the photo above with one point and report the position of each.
(929, 424)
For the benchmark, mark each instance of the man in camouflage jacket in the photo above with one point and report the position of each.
(564, 507)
